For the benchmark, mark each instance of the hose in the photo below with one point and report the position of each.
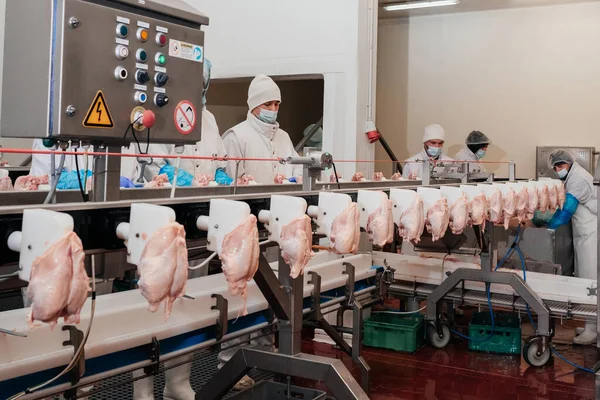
(61, 165)
(79, 350)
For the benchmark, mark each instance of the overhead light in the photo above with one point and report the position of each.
(420, 4)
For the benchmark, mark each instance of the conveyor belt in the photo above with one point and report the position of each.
(479, 298)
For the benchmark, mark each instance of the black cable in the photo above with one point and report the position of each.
(83, 195)
(336, 175)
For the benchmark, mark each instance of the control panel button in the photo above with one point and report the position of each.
(140, 97)
(141, 56)
(122, 52)
(142, 76)
(160, 59)
(161, 99)
(120, 73)
(161, 79)
(142, 35)
(122, 30)
(161, 39)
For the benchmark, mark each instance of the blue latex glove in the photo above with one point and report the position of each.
(563, 216)
(184, 179)
(542, 218)
(127, 183)
(292, 180)
(68, 180)
(222, 178)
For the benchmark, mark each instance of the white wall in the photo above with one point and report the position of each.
(286, 37)
(526, 77)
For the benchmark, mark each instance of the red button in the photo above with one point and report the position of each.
(148, 119)
(161, 39)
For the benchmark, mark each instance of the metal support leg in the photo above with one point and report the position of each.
(221, 306)
(332, 372)
(357, 335)
(75, 339)
(271, 288)
(290, 331)
(505, 278)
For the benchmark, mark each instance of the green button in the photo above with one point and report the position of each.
(162, 60)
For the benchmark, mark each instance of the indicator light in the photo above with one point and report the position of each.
(141, 56)
(161, 39)
(142, 35)
(122, 30)
(160, 59)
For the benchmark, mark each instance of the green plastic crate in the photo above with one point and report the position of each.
(395, 332)
(507, 333)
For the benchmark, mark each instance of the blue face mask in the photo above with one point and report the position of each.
(267, 116)
(480, 154)
(434, 151)
(562, 174)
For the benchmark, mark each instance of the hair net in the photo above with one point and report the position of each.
(262, 90)
(560, 156)
(477, 137)
(434, 132)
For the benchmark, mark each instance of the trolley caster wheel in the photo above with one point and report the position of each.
(437, 341)
(530, 354)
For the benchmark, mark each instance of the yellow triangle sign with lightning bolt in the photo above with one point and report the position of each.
(98, 116)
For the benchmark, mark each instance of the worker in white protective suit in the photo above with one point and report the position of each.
(433, 143)
(476, 146)
(211, 145)
(259, 136)
(581, 209)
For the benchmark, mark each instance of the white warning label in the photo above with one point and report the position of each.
(186, 51)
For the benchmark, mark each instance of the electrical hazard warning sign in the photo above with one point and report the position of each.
(98, 116)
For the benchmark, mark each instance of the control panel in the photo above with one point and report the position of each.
(109, 62)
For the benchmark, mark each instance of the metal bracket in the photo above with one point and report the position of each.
(349, 288)
(592, 291)
(75, 340)
(221, 306)
(154, 357)
(315, 280)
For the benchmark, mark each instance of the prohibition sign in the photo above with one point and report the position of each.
(185, 117)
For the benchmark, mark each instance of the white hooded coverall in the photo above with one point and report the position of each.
(415, 168)
(467, 155)
(256, 139)
(580, 184)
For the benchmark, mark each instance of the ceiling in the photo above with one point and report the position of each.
(470, 5)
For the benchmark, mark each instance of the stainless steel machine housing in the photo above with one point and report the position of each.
(58, 56)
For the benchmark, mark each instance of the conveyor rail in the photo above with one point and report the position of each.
(478, 298)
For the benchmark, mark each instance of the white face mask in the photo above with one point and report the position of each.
(562, 174)
(434, 151)
(267, 116)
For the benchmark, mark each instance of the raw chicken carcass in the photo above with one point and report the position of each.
(438, 218)
(6, 184)
(202, 179)
(397, 176)
(345, 231)
(561, 194)
(296, 244)
(246, 180)
(279, 178)
(521, 203)
(158, 181)
(163, 267)
(378, 177)
(358, 177)
(495, 207)
(412, 221)
(380, 224)
(59, 284)
(544, 196)
(552, 197)
(509, 206)
(459, 215)
(533, 200)
(27, 182)
(239, 256)
(478, 210)
(332, 177)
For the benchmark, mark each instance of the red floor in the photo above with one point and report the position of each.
(455, 373)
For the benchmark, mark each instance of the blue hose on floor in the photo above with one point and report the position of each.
(552, 349)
